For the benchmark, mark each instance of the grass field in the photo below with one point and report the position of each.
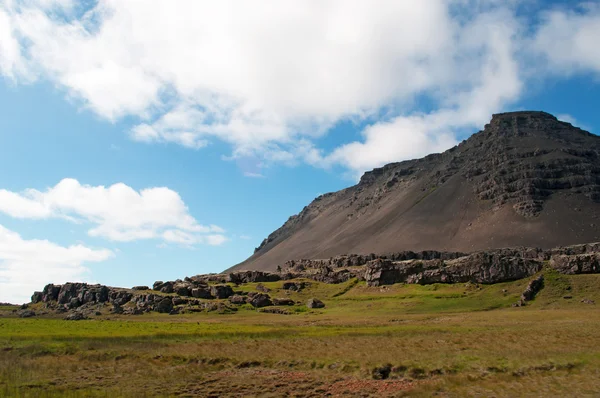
(442, 340)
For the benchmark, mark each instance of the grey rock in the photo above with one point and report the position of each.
(221, 291)
(75, 316)
(315, 303)
(164, 306)
(533, 288)
(26, 314)
(259, 300)
(283, 301)
(237, 299)
(37, 297)
(200, 292)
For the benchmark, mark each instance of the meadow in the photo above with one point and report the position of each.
(400, 340)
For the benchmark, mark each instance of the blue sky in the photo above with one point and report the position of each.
(218, 121)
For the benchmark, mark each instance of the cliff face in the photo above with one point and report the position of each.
(526, 179)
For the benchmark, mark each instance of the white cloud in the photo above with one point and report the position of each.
(28, 265)
(269, 77)
(253, 175)
(118, 212)
(569, 39)
(565, 117)
(493, 81)
(11, 62)
(215, 239)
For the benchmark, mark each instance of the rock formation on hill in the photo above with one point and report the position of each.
(527, 179)
(215, 292)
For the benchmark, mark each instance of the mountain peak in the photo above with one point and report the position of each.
(523, 114)
(526, 179)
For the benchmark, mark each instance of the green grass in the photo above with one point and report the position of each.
(451, 340)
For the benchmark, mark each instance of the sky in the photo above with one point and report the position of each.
(153, 140)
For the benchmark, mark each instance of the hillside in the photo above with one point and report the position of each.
(526, 179)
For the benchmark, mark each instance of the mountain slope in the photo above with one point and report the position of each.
(527, 179)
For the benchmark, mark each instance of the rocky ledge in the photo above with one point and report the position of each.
(218, 292)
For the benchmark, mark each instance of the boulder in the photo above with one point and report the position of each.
(533, 288)
(164, 306)
(67, 292)
(140, 288)
(26, 314)
(199, 292)
(167, 287)
(74, 303)
(315, 303)
(221, 291)
(120, 297)
(237, 299)
(181, 290)
(252, 277)
(294, 286)
(283, 301)
(36, 297)
(180, 301)
(381, 372)
(50, 292)
(75, 316)
(259, 300)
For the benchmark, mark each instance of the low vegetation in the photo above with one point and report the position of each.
(399, 340)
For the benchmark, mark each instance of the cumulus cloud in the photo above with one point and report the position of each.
(269, 77)
(117, 212)
(27, 265)
(493, 81)
(568, 38)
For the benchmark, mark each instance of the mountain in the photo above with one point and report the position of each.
(526, 179)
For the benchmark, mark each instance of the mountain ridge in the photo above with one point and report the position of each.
(526, 179)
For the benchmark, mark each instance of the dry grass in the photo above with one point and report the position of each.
(448, 340)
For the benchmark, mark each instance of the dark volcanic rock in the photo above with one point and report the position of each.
(36, 297)
(140, 288)
(237, 299)
(182, 290)
(533, 288)
(26, 314)
(252, 277)
(164, 306)
(315, 303)
(294, 286)
(259, 300)
(75, 316)
(483, 267)
(382, 372)
(283, 301)
(221, 291)
(50, 292)
(199, 292)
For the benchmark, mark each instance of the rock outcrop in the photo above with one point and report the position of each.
(315, 303)
(533, 288)
(487, 267)
(195, 294)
